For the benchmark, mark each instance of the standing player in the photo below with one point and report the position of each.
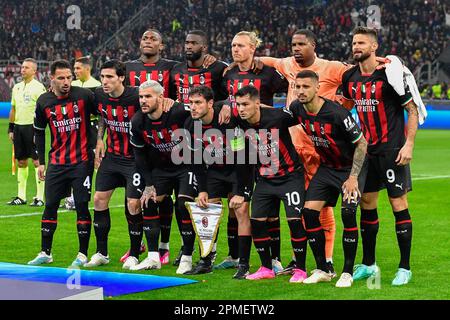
(20, 131)
(280, 178)
(268, 82)
(117, 104)
(84, 79)
(192, 73)
(218, 178)
(342, 149)
(67, 111)
(391, 142)
(330, 78)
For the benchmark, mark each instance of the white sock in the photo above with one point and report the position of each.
(164, 245)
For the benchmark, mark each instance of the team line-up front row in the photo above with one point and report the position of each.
(142, 138)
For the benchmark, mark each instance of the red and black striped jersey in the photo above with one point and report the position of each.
(69, 121)
(380, 109)
(270, 141)
(182, 78)
(138, 72)
(116, 114)
(332, 130)
(269, 81)
(158, 135)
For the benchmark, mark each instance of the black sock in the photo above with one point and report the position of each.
(261, 239)
(316, 236)
(165, 209)
(135, 231)
(403, 228)
(274, 233)
(245, 245)
(151, 226)
(349, 238)
(233, 241)
(83, 226)
(298, 241)
(187, 230)
(178, 218)
(369, 229)
(102, 225)
(49, 223)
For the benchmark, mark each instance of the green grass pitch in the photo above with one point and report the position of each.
(429, 206)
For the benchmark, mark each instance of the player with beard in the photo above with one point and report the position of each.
(192, 73)
(303, 45)
(151, 66)
(381, 113)
(66, 110)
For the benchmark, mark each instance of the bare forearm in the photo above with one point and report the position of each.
(12, 114)
(101, 129)
(412, 122)
(359, 157)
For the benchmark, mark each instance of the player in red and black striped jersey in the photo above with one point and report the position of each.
(66, 110)
(150, 65)
(153, 141)
(280, 177)
(268, 81)
(381, 113)
(342, 149)
(192, 73)
(217, 176)
(116, 105)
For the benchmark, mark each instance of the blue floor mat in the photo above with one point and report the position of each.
(113, 283)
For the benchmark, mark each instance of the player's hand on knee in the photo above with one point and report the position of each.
(41, 172)
(350, 190)
(148, 194)
(236, 202)
(202, 200)
(405, 155)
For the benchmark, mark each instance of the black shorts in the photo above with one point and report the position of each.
(268, 192)
(115, 172)
(178, 179)
(60, 179)
(326, 185)
(24, 147)
(383, 172)
(220, 182)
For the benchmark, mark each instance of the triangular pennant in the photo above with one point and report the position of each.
(206, 224)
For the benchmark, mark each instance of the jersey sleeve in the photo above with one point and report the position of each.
(350, 127)
(288, 118)
(40, 91)
(271, 62)
(407, 97)
(279, 82)
(40, 120)
(136, 138)
(13, 97)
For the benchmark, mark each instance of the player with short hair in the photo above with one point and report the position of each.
(217, 178)
(381, 113)
(152, 131)
(303, 45)
(20, 131)
(84, 79)
(268, 81)
(342, 149)
(117, 104)
(66, 110)
(280, 178)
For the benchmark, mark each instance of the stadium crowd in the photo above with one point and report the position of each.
(415, 30)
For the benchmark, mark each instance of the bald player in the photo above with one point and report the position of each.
(330, 78)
